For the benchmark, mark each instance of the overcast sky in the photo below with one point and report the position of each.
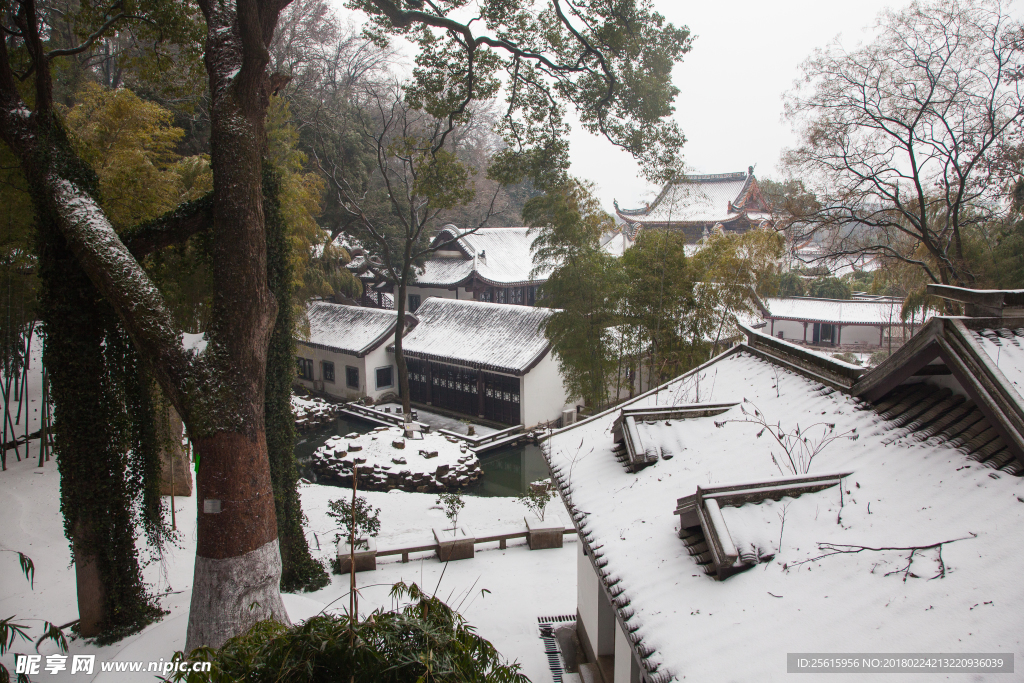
(745, 56)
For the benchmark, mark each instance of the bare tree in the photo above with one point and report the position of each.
(418, 178)
(898, 136)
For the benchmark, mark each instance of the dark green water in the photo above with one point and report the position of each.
(507, 471)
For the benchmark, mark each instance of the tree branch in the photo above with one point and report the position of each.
(173, 228)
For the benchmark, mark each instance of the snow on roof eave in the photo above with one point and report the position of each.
(475, 365)
(358, 353)
(949, 340)
(465, 247)
(829, 371)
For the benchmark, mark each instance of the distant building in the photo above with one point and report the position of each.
(877, 515)
(470, 357)
(491, 264)
(700, 204)
(869, 323)
(484, 360)
(345, 355)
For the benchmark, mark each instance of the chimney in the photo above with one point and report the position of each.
(483, 256)
(750, 170)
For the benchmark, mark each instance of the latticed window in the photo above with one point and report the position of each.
(517, 296)
(351, 377)
(328, 370)
(502, 295)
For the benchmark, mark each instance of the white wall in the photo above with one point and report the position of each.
(865, 335)
(542, 394)
(426, 292)
(379, 357)
(587, 590)
(626, 668)
(336, 388)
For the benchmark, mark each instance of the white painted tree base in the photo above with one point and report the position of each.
(229, 596)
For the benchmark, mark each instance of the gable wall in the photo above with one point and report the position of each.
(543, 393)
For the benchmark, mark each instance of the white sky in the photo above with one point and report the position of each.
(745, 56)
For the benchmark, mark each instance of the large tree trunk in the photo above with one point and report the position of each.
(299, 570)
(238, 559)
(238, 562)
(220, 393)
(112, 598)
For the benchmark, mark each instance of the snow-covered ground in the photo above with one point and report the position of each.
(523, 584)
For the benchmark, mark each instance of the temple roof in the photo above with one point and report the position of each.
(498, 337)
(714, 198)
(834, 311)
(916, 477)
(354, 330)
(500, 257)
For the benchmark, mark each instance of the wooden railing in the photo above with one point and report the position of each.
(502, 540)
(477, 441)
(396, 419)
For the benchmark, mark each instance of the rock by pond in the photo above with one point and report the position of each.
(387, 460)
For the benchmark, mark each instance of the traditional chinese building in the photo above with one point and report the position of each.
(490, 264)
(699, 204)
(835, 508)
(344, 355)
(484, 360)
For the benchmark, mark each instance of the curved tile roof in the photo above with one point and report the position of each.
(354, 330)
(717, 198)
(838, 311)
(920, 490)
(500, 257)
(498, 337)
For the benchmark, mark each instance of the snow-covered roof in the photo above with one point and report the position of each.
(825, 585)
(1005, 349)
(616, 243)
(354, 330)
(498, 337)
(835, 311)
(715, 198)
(499, 257)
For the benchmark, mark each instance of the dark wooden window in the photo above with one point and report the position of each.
(385, 377)
(454, 388)
(305, 368)
(486, 294)
(501, 295)
(351, 377)
(501, 398)
(328, 370)
(414, 302)
(518, 297)
(419, 388)
(531, 296)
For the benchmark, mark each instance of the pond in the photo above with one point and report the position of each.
(507, 471)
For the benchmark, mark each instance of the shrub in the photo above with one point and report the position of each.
(424, 641)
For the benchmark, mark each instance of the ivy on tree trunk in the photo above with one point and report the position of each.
(299, 571)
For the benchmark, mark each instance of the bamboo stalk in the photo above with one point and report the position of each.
(24, 382)
(353, 605)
